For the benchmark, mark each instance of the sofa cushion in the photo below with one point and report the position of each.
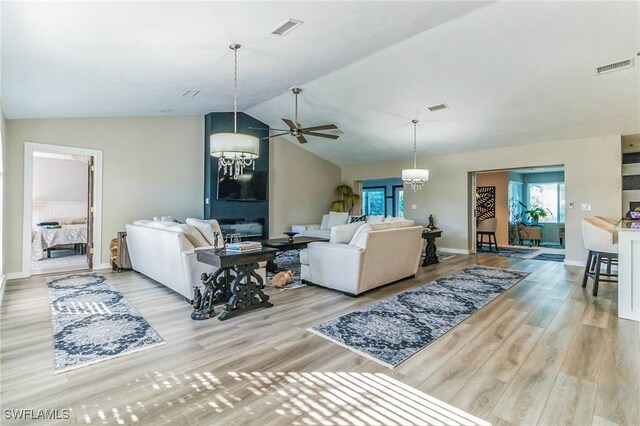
(375, 219)
(193, 235)
(343, 234)
(393, 219)
(325, 222)
(336, 218)
(360, 237)
(207, 228)
(142, 222)
(304, 256)
(316, 233)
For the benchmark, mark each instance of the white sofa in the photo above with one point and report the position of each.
(329, 220)
(376, 254)
(166, 252)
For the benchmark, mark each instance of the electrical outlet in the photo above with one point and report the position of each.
(414, 207)
(585, 206)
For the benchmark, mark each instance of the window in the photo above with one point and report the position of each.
(398, 201)
(373, 201)
(550, 197)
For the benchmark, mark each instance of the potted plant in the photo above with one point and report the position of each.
(535, 213)
(348, 199)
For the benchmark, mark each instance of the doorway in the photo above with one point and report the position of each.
(527, 207)
(61, 226)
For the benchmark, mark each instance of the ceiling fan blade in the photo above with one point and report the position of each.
(324, 127)
(268, 128)
(301, 139)
(290, 123)
(279, 134)
(321, 135)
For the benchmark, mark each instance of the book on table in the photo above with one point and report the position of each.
(244, 246)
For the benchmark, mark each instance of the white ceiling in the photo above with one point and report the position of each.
(512, 73)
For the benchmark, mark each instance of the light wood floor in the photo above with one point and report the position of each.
(545, 352)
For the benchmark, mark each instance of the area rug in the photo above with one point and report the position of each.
(552, 257)
(393, 330)
(93, 322)
(288, 260)
(508, 251)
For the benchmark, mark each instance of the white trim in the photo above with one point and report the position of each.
(29, 148)
(452, 250)
(3, 281)
(580, 263)
(16, 275)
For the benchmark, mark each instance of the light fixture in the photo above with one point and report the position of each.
(235, 151)
(415, 177)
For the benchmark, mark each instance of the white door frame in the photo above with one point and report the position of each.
(29, 148)
(472, 214)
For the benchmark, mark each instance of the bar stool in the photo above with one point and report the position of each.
(601, 239)
(487, 227)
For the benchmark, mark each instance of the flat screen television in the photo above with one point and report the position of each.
(251, 186)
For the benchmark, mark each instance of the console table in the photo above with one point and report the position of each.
(235, 282)
(430, 256)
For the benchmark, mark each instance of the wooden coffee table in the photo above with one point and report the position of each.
(283, 245)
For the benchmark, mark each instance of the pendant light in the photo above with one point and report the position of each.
(235, 151)
(415, 177)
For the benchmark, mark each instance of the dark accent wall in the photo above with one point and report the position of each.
(218, 122)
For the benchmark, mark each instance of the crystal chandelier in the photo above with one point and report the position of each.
(415, 177)
(235, 151)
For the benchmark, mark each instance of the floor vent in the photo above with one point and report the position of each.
(627, 63)
(438, 107)
(286, 27)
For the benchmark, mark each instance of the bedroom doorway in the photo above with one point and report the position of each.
(61, 233)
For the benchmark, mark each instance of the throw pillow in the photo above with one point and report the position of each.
(193, 235)
(375, 219)
(207, 229)
(354, 219)
(343, 234)
(360, 237)
(325, 222)
(336, 218)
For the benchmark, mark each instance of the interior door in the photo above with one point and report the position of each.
(90, 210)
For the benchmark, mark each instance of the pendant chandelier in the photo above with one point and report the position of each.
(235, 151)
(415, 177)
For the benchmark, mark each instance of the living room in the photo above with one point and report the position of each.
(512, 86)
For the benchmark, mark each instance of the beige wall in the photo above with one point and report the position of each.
(592, 175)
(501, 182)
(151, 166)
(302, 186)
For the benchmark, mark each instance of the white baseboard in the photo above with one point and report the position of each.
(16, 275)
(580, 263)
(102, 266)
(452, 250)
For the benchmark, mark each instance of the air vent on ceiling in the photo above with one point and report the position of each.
(627, 63)
(190, 93)
(286, 27)
(438, 107)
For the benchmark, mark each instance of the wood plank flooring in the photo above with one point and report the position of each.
(545, 352)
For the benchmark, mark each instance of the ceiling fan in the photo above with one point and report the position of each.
(296, 130)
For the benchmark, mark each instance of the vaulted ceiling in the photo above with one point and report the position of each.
(511, 72)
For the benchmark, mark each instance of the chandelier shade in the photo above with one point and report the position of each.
(415, 177)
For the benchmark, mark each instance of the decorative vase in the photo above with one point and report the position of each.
(290, 235)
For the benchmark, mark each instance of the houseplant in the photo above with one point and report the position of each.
(535, 213)
(348, 199)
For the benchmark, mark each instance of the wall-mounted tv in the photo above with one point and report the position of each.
(251, 186)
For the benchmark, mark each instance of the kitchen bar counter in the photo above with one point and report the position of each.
(629, 270)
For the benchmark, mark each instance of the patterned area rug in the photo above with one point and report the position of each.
(393, 330)
(552, 257)
(288, 260)
(508, 251)
(93, 322)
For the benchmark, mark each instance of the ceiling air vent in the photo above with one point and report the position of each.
(627, 63)
(438, 107)
(286, 27)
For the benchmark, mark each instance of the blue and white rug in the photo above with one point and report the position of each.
(93, 322)
(393, 330)
(552, 257)
(522, 253)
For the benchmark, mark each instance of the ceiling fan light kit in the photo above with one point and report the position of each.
(415, 177)
(235, 151)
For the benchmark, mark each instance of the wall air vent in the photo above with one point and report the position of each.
(627, 63)
(286, 27)
(438, 107)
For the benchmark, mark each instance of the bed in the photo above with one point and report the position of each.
(72, 231)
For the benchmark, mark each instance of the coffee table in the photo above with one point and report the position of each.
(283, 245)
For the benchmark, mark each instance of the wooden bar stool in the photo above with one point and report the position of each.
(601, 239)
